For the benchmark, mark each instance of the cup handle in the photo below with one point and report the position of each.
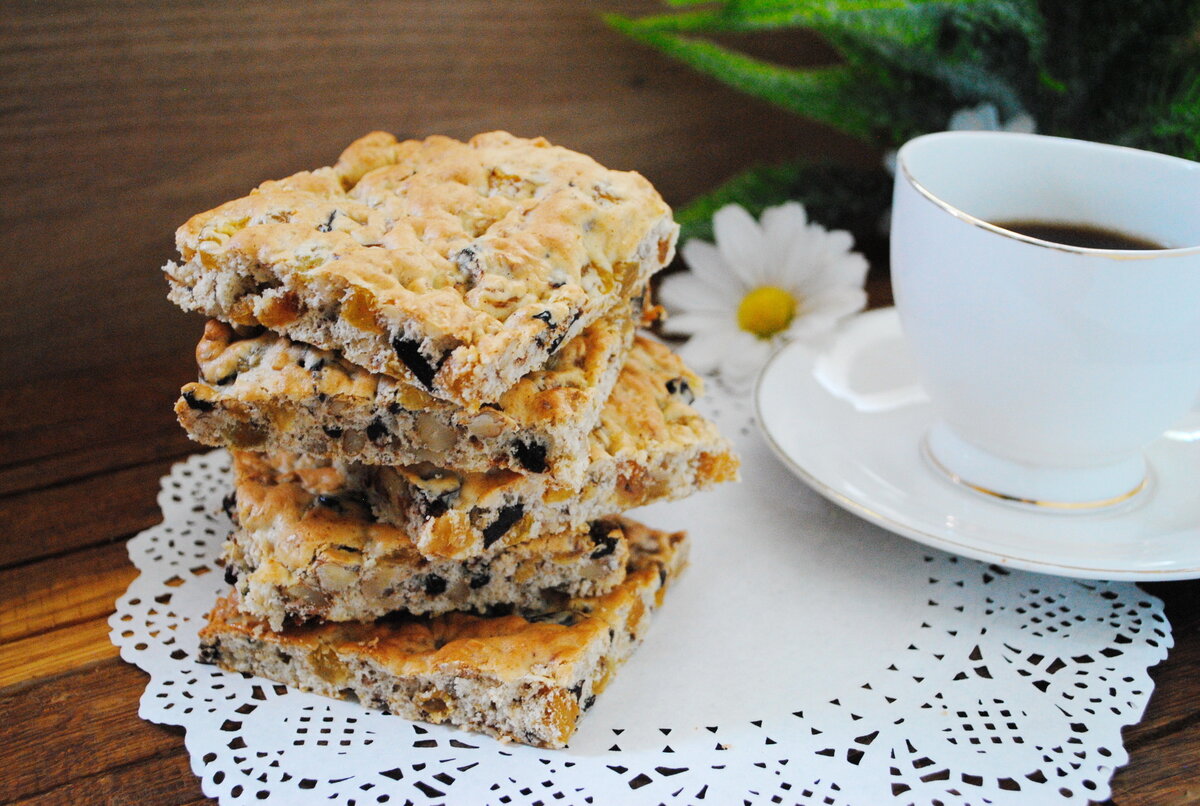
(868, 365)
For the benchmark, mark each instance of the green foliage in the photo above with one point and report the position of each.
(1176, 129)
(837, 196)
(1107, 70)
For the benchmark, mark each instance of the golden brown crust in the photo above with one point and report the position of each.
(651, 446)
(266, 392)
(459, 266)
(651, 402)
(308, 547)
(534, 674)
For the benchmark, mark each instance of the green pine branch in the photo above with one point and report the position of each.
(1107, 70)
(820, 93)
(836, 196)
(898, 75)
(1082, 69)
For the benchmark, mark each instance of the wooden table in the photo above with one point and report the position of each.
(119, 121)
(78, 478)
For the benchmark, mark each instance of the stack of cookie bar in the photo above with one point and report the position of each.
(425, 362)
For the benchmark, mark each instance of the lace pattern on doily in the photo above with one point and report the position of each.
(1007, 687)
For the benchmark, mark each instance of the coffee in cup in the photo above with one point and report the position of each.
(1050, 364)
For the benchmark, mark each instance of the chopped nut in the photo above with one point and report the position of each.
(486, 424)
(336, 577)
(327, 666)
(435, 434)
(354, 440)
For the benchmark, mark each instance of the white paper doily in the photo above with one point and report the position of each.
(804, 657)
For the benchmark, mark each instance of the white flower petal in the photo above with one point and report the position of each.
(781, 225)
(783, 249)
(836, 303)
(799, 261)
(884, 227)
(826, 255)
(741, 242)
(834, 271)
(837, 242)
(889, 162)
(708, 264)
(811, 326)
(980, 118)
(986, 117)
(782, 220)
(687, 292)
(704, 352)
(692, 322)
(823, 316)
(742, 364)
(1022, 122)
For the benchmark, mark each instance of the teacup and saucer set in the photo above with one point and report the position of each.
(1030, 399)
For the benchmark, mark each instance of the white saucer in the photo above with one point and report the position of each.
(853, 433)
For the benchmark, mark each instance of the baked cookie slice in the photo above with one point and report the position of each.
(262, 391)
(300, 554)
(524, 678)
(650, 445)
(455, 267)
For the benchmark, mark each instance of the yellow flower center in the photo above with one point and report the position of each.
(766, 311)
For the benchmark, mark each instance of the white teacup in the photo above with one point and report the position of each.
(1050, 366)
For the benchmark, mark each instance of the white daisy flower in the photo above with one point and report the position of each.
(763, 283)
(984, 118)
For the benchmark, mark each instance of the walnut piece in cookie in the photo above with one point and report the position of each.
(650, 445)
(307, 547)
(262, 391)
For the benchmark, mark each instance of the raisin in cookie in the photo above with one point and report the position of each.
(301, 554)
(262, 391)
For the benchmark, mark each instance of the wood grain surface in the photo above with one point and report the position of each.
(118, 121)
